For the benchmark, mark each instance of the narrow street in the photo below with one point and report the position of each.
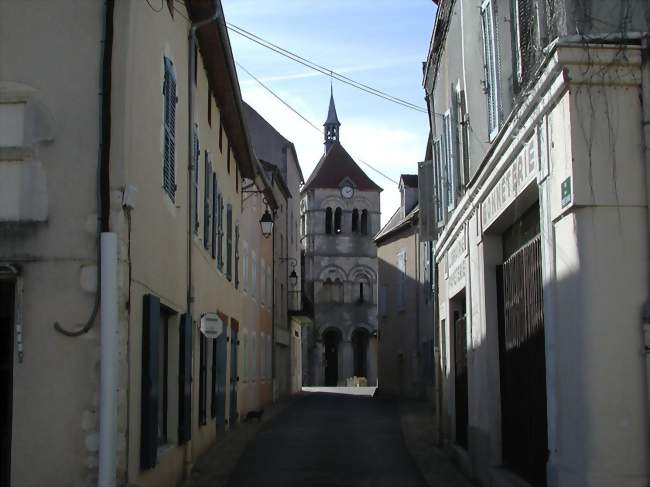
(330, 440)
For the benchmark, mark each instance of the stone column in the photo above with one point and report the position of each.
(346, 361)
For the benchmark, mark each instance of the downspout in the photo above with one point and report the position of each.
(190, 173)
(645, 102)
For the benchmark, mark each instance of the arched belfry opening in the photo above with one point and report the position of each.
(331, 342)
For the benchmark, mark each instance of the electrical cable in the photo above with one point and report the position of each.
(322, 69)
(162, 5)
(305, 119)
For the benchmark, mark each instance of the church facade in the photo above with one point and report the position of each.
(340, 214)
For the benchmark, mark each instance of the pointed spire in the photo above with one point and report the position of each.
(332, 123)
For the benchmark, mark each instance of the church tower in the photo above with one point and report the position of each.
(331, 125)
(339, 216)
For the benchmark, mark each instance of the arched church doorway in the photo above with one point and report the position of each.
(331, 340)
(360, 339)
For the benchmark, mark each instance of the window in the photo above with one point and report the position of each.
(449, 158)
(401, 280)
(244, 269)
(364, 222)
(209, 105)
(337, 220)
(195, 183)
(438, 168)
(216, 219)
(228, 158)
(491, 66)
(229, 242)
(328, 220)
(263, 282)
(236, 256)
(169, 150)
(219, 232)
(207, 207)
(160, 337)
(203, 378)
(253, 275)
(254, 357)
(220, 135)
(383, 300)
(355, 220)
(361, 296)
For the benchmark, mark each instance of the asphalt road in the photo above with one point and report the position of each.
(330, 440)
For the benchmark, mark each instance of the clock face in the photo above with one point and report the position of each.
(347, 191)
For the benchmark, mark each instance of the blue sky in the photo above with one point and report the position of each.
(381, 43)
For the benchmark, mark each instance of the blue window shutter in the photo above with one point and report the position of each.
(185, 380)
(229, 242)
(220, 232)
(236, 256)
(195, 188)
(149, 394)
(207, 179)
(215, 209)
(169, 155)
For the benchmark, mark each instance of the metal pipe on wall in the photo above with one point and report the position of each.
(645, 125)
(108, 361)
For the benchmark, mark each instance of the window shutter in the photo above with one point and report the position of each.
(455, 141)
(464, 119)
(426, 200)
(185, 380)
(438, 176)
(213, 392)
(491, 66)
(169, 155)
(206, 201)
(236, 256)
(220, 232)
(150, 394)
(216, 223)
(447, 166)
(229, 242)
(203, 371)
(195, 188)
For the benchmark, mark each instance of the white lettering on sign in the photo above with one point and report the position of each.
(211, 325)
(514, 180)
(456, 263)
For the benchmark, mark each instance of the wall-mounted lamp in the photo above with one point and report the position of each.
(266, 223)
(293, 277)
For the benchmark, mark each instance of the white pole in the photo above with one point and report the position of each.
(108, 364)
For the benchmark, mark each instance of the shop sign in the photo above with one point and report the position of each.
(456, 263)
(211, 325)
(566, 192)
(514, 180)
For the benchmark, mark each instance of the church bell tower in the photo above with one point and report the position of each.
(331, 125)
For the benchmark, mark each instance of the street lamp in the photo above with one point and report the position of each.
(293, 278)
(266, 222)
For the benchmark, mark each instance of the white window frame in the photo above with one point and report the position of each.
(401, 280)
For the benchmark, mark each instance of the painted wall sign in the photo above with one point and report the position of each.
(566, 191)
(512, 182)
(211, 325)
(456, 263)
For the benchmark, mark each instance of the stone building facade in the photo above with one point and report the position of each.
(339, 217)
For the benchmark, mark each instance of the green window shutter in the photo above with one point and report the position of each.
(491, 66)
(150, 393)
(169, 150)
(185, 380)
(220, 233)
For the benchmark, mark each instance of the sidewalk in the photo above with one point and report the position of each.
(214, 467)
(419, 430)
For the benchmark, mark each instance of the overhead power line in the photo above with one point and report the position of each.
(322, 69)
(305, 119)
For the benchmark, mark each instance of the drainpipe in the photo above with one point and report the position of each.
(108, 361)
(645, 102)
(190, 172)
